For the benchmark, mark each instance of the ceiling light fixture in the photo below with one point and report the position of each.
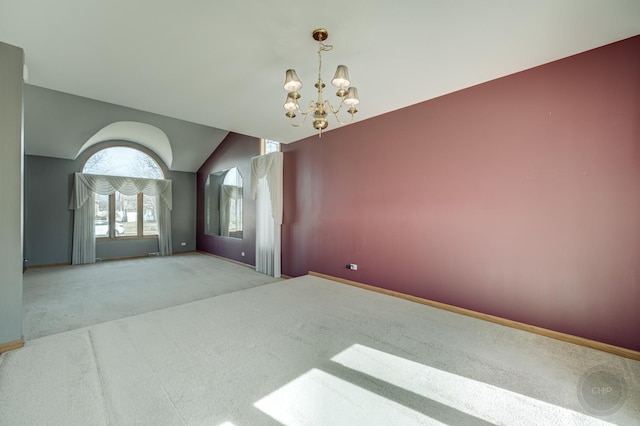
(320, 108)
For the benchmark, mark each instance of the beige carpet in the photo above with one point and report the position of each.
(305, 351)
(69, 297)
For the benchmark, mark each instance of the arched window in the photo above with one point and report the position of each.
(118, 215)
(123, 161)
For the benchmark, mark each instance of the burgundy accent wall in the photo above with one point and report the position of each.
(518, 198)
(235, 150)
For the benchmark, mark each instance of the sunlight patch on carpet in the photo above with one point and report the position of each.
(479, 399)
(317, 397)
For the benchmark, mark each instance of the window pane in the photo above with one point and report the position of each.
(102, 215)
(123, 161)
(272, 146)
(150, 215)
(126, 215)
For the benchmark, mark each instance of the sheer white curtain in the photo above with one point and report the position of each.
(84, 248)
(266, 189)
(83, 199)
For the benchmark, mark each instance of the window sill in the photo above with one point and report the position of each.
(124, 238)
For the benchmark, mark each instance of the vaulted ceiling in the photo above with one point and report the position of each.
(222, 64)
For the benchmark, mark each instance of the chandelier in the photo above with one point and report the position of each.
(320, 108)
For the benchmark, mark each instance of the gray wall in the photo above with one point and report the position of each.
(11, 177)
(49, 221)
(58, 124)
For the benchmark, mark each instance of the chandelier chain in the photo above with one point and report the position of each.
(322, 48)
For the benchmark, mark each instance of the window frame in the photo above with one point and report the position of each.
(139, 221)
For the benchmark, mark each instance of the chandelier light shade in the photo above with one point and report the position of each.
(291, 104)
(292, 83)
(352, 97)
(320, 108)
(341, 79)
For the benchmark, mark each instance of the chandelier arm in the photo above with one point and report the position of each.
(335, 114)
(310, 108)
(335, 111)
(297, 124)
(304, 113)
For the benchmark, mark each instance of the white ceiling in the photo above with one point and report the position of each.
(222, 63)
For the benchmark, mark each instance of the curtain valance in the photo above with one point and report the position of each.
(85, 184)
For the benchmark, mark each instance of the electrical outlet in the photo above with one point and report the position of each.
(352, 266)
(242, 254)
(183, 244)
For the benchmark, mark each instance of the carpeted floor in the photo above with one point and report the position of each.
(305, 351)
(69, 297)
